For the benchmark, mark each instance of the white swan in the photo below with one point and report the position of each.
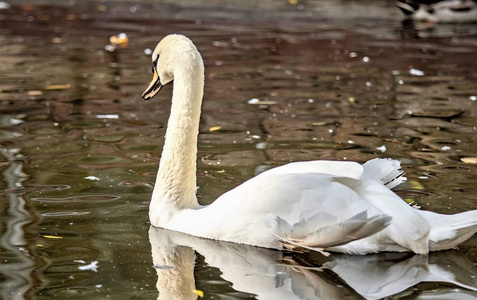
(331, 205)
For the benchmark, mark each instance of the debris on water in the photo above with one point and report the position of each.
(92, 178)
(469, 160)
(416, 72)
(366, 59)
(445, 148)
(147, 51)
(311, 100)
(162, 267)
(79, 261)
(93, 266)
(350, 142)
(256, 101)
(400, 82)
(473, 98)
(112, 116)
(214, 128)
(353, 54)
(34, 93)
(352, 99)
(120, 40)
(57, 87)
(382, 148)
(52, 237)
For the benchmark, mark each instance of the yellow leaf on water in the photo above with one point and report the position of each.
(215, 128)
(57, 87)
(199, 293)
(351, 99)
(415, 185)
(293, 2)
(40, 245)
(469, 160)
(52, 237)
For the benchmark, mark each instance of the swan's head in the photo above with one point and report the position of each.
(174, 52)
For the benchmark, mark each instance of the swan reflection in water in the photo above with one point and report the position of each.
(269, 274)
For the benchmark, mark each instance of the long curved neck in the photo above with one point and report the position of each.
(176, 179)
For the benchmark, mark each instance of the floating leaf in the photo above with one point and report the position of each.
(198, 293)
(319, 123)
(469, 160)
(415, 185)
(57, 87)
(34, 93)
(215, 128)
(52, 237)
(120, 39)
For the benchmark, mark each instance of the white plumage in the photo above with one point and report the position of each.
(318, 205)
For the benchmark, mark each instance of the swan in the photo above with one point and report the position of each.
(439, 11)
(316, 205)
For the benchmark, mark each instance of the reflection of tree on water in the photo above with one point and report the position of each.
(18, 264)
(257, 271)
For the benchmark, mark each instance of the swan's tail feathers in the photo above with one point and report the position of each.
(304, 235)
(388, 171)
(449, 231)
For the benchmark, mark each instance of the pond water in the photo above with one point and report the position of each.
(285, 81)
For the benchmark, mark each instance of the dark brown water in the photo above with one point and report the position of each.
(333, 80)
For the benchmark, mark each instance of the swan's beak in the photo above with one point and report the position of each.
(154, 87)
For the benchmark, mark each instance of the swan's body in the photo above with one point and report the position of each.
(336, 206)
(439, 11)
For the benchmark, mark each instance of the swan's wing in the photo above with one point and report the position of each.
(388, 171)
(408, 228)
(310, 210)
(345, 169)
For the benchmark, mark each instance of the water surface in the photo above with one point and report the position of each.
(285, 82)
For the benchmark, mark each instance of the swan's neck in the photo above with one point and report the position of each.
(175, 187)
